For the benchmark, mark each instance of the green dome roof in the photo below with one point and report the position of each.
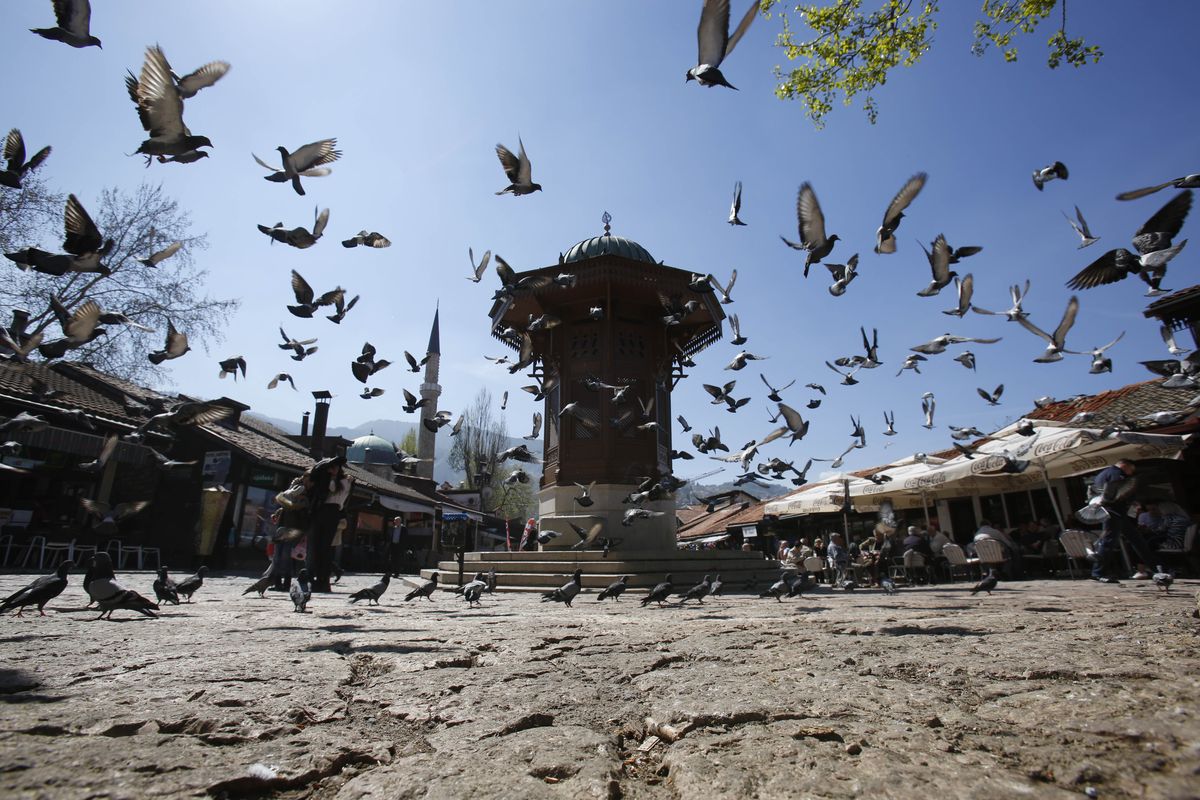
(608, 245)
(371, 449)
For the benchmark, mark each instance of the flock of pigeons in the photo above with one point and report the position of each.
(158, 94)
(109, 595)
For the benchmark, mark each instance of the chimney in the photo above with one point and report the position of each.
(320, 421)
(304, 424)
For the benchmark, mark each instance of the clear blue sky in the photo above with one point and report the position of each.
(418, 94)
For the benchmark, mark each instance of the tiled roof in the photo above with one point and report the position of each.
(1134, 401)
(742, 513)
(1156, 308)
(16, 381)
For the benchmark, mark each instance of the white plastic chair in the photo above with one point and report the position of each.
(815, 565)
(1076, 544)
(991, 554)
(913, 563)
(38, 542)
(57, 551)
(958, 560)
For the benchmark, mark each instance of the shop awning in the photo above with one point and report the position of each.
(396, 504)
(716, 537)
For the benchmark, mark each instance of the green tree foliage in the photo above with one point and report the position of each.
(140, 222)
(852, 51)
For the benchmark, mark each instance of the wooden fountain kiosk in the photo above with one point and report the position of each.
(600, 315)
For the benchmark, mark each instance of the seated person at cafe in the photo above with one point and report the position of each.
(915, 541)
(1164, 523)
(1012, 551)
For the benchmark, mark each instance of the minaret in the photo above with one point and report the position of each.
(431, 391)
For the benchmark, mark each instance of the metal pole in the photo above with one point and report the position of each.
(1062, 526)
(925, 508)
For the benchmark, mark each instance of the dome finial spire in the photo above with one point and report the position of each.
(607, 218)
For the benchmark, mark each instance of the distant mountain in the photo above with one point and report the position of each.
(688, 494)
(395, 430)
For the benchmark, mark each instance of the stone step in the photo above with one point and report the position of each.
(536, 573)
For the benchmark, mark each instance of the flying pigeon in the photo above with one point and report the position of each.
(478, 270)
(231, 366)
(518, 170)
(736, 206)
(39, 592)
(17, 167)
(727, 290)
(300, 237)
(1153, 242)
(1014, 314)
(364, 239)
(282, 376)
(842, 275)
(372, 593)
(889, 419)
(567, 592)
(176, 346)
(964, 287)
(1055, 170)
(74, 22)
(1080, 226)
(102, 587)
(939, 266)
(83, 243)
(739, 361)
(939, 344)
(913, 362)
(928, 406)
(848, 378)
(309, 162)
(660, 592)
(993, 397)
(885, 239)
(774, 393)
(159, 103)
(1100, 363)
(811, 223)
(1056, 343)
(714, 42)
(306, 300)
(1183, 182)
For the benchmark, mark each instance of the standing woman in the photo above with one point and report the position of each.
(331, 490)
(292, 520)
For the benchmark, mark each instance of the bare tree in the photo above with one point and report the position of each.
(140, 223)
(483, 436)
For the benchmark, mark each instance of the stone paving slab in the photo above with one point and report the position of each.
(1043, 689)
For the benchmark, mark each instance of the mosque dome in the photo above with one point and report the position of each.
(371, 449)
(607, 245)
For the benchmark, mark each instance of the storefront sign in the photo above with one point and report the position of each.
(216, 467)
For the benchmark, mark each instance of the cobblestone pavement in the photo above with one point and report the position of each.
(1043, 689)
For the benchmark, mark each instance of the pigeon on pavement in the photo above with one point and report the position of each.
(39, 592)
(109, 595)
(659, 593)
(190, 585)
(697, 592)
(987, 584)
(425, 590)
(567, 592)
(165, 589)
(372, 593)
(614, 589)
(300, 592)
